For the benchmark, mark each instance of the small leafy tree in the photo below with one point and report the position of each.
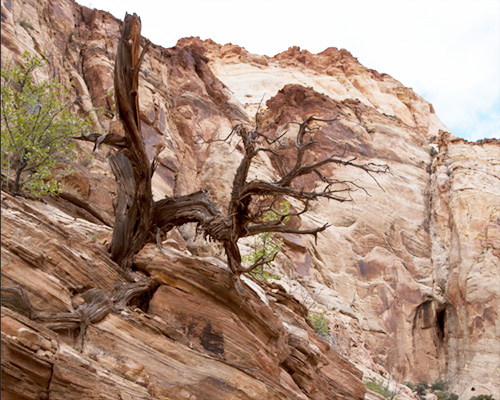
(37, 126)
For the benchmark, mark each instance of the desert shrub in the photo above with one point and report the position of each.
(382, 389)
(377, 387)
(25, 24)
(442, 395)
(319, 322)
(482, 397)
(262, 273)
(438, 385)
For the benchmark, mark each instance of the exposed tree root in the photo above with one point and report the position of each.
(97, 305)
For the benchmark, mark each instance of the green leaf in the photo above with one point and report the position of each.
(37, 127)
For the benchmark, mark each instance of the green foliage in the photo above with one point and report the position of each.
(86, 161)
(438, 385)
(263, 274)
(380, 388)
(438, 388)
(267, 244)
(442, 395)
(319, 322)
(483, 397)
(37, 126)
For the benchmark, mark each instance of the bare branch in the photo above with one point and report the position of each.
(279, 228)
(228, 137)
(262, 260)
(111, 139)
(258, 187)
(97, 304)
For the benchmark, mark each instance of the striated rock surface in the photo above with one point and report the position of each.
(408, 275)
(193, 335)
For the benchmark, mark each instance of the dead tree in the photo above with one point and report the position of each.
(251, 200)
(130, 164)
(139, 218)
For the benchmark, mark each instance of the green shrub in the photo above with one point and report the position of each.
(382, 389)
(319, 322)
(37, 128)
(263, 274)
(438, 385)
(446, 396)
(377, 387)
(483, 397)
(25, 24)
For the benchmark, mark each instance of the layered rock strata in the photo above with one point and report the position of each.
(407, 275)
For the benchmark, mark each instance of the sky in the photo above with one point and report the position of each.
(448, 51)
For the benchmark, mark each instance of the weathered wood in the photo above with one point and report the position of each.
(111, 139)
(86, 206)
(130, 165)
(124, 293)
(126, 209)
(139, 219)
(97, 305)
(175, 211)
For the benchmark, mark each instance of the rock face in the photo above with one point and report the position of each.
(408, 275)
(466, 254)
(191, 337)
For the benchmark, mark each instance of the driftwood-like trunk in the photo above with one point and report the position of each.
(140, 219)
(130, 165)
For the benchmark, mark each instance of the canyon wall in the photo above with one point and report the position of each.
(408, 275)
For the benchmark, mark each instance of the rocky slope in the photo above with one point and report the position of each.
(408, 275)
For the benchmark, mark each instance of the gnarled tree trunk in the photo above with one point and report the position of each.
(130, 165)
(139, 218)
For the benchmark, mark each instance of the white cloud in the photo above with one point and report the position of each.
(447, 51)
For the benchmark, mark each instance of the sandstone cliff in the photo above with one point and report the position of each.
(408, 275)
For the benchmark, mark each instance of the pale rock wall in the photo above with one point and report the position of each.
(376, 259)
(466, 253)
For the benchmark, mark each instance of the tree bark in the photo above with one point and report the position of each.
(17, 182)
(130, 165)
